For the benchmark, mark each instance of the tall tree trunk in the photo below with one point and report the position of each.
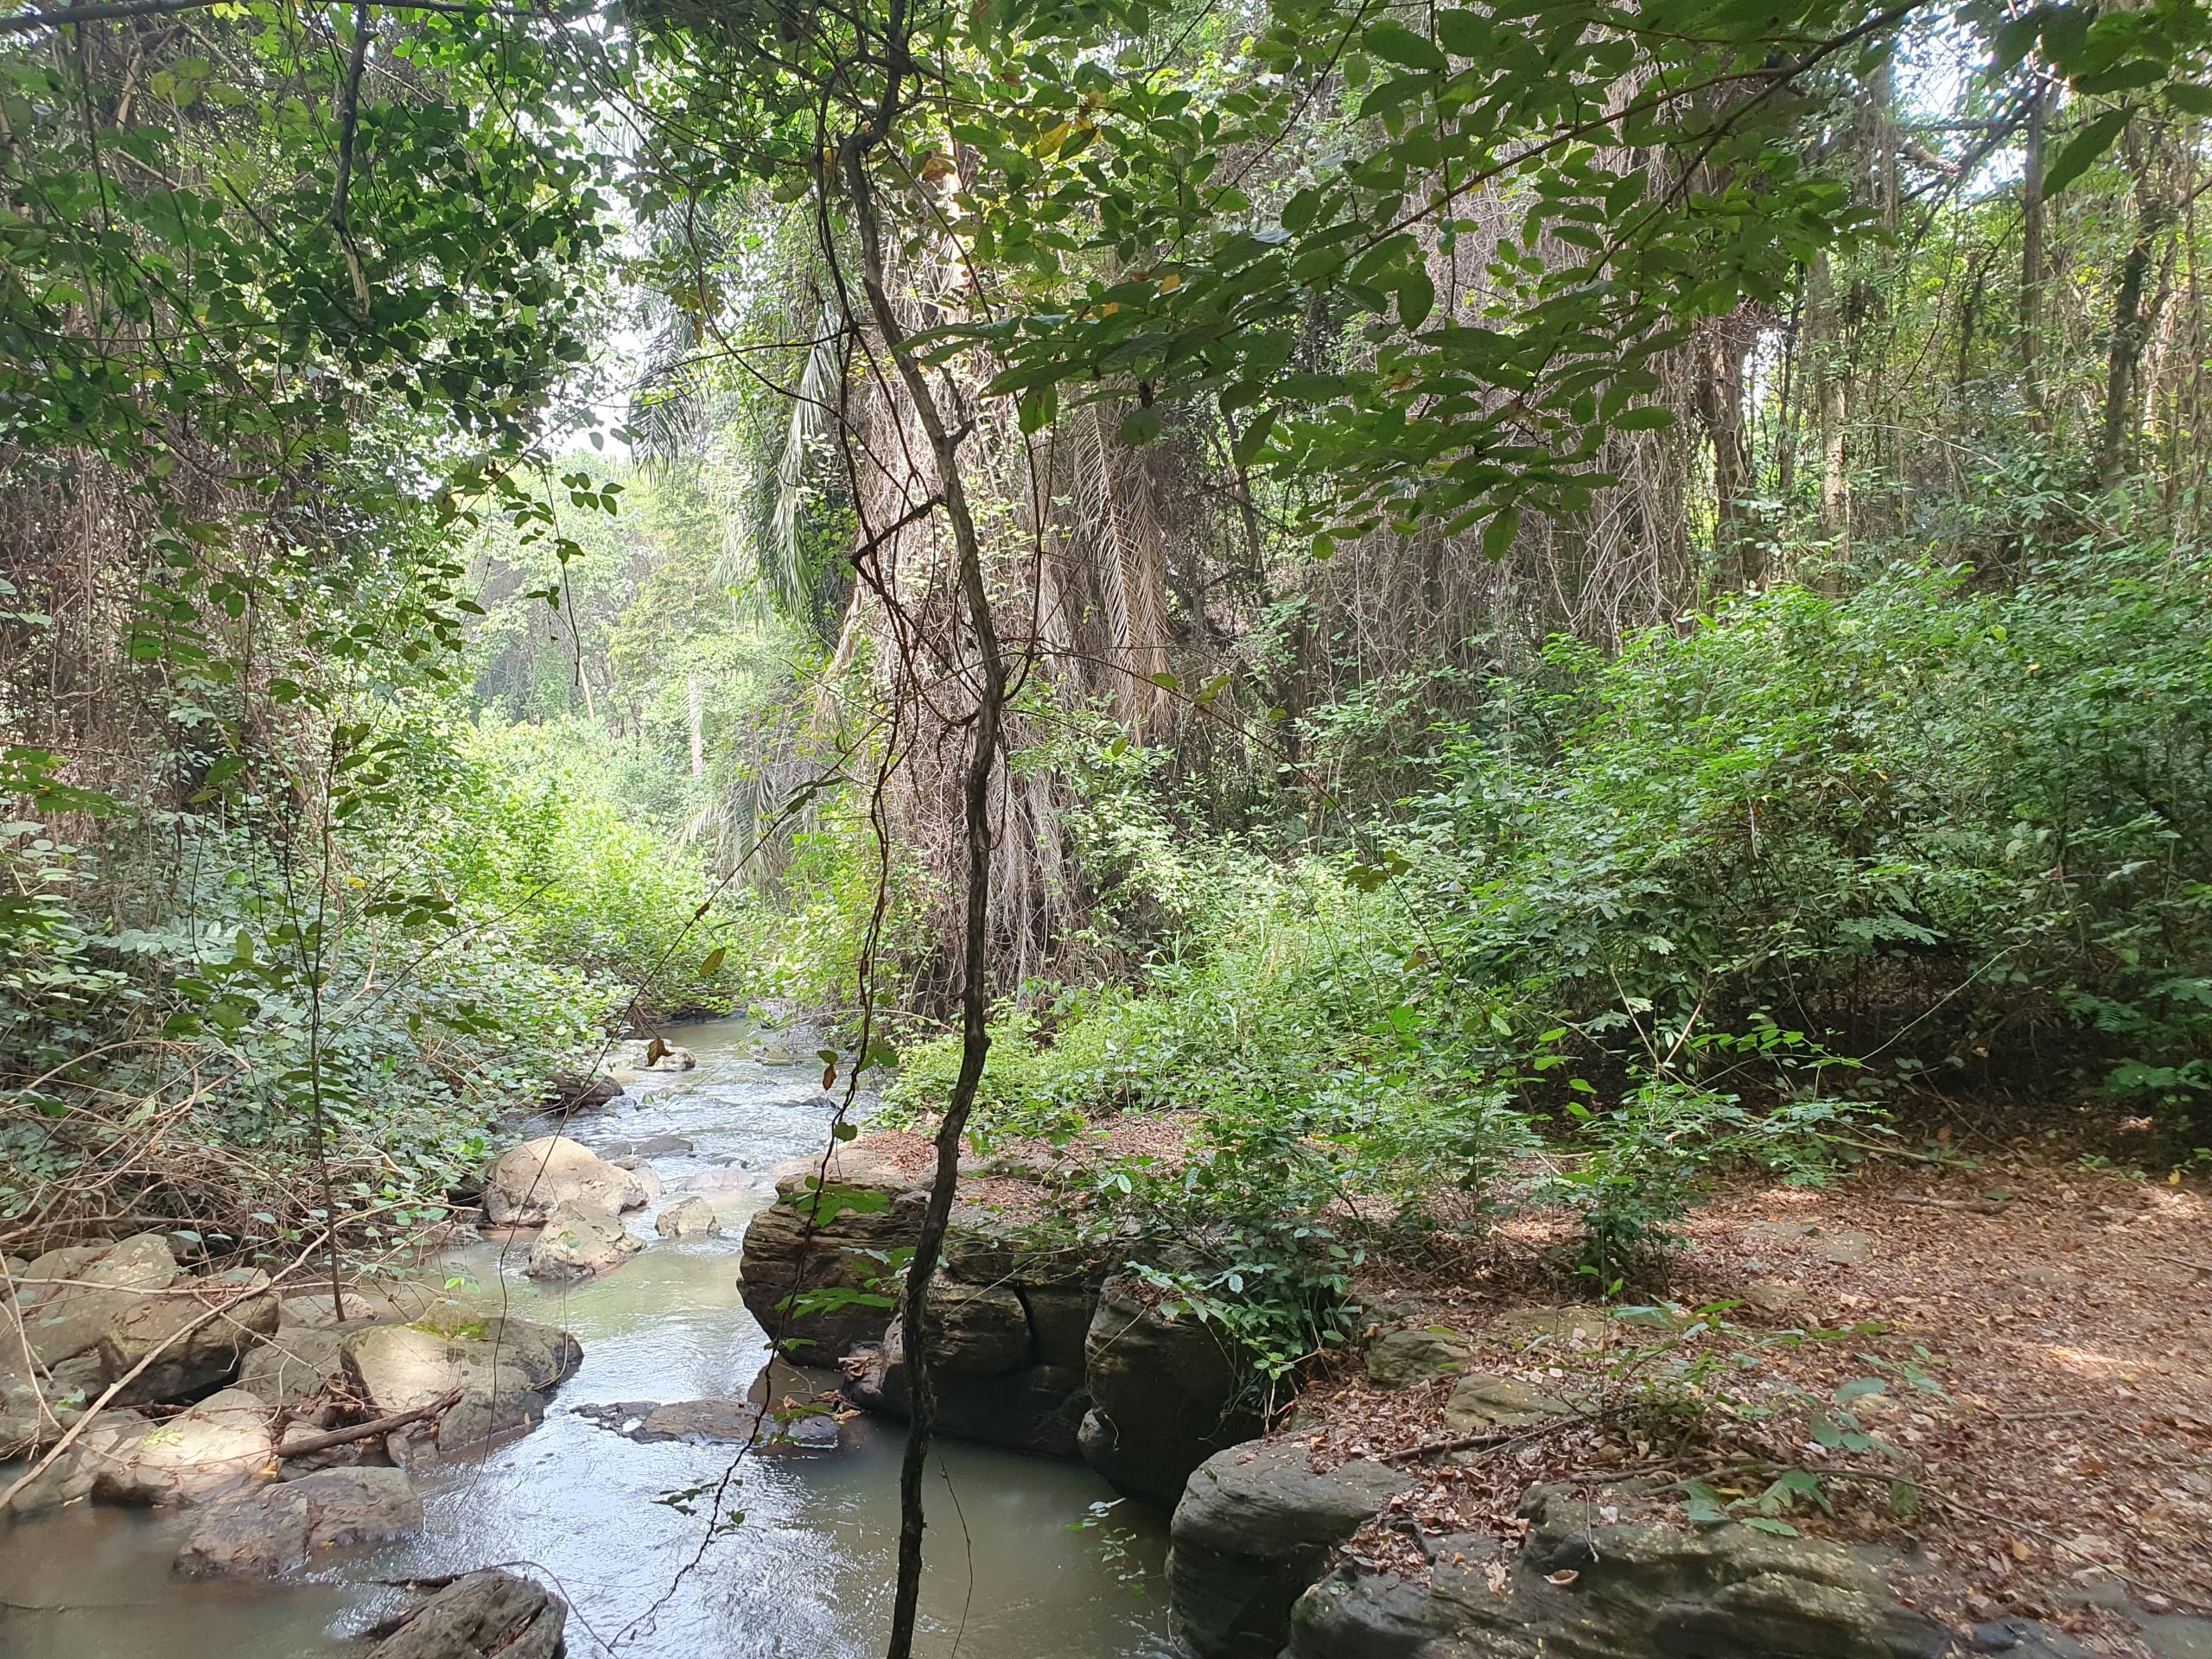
(2031, 258)
(1831, 404)
(2130, 318)
(1720, 397)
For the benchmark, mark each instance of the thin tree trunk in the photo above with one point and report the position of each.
(696, 699)
(2129, 319)
(982, 763)
(2031, 258)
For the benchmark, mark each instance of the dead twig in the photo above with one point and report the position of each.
(314, 1443)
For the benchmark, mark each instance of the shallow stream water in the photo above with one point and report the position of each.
(1012, 1573)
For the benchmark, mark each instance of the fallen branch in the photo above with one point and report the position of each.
(1489, 1440)
(1976, 1206)
(314, 1443)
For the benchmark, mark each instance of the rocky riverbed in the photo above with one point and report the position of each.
(597, 1406)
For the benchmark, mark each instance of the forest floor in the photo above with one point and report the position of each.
(2040, 1336)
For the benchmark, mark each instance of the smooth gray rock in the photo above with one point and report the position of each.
(1037, 1409)
(1482, 1402)
(490, 1615)
(220, 1443)
(2177, 1636)
(285, 1528)
(1165, 1394)
(688, 1217)
(580, 1241)
(505, 1371)
(191, 1338)
(1254, 1528)
(525, 1184)
(69, 1297)
(297, 1364)
(1581, 1588)
(1408, 1359)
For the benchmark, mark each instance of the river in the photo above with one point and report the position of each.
(1013, 1572)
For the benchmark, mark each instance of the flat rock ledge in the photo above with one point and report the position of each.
(1248, 1578)
(1580, 1588)
(716, 1420)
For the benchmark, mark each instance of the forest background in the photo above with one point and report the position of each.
(1583, 593)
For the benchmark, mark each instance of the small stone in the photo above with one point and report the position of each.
(1774, 1295)
(688, 1216)
(1408, 1359)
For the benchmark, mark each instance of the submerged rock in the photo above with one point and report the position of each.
(688, 1217)
(716, 1420)
(283, 1528)
(1254, 1528)
(1581, 1588)
(1165, 1394)
(579, 1241)
(527, 1183)
(490, 1615)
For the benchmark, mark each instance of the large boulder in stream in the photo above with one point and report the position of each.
(995, 1382)
(491, 1615)
(1167, 1392)
(502, 1370)
(580, 1241)
(526, 1183)
(815, 1272)
(68, 1297)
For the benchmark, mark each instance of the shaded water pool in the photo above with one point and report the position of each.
(808, 1571)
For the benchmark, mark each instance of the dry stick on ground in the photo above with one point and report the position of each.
(314, 1443)
(974, 1040)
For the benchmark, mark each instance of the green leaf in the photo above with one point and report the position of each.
(2082, 150)
(2189, 98)
(1398, 44)
(713, 962)
(1704, 1505)
(1467, 34)
(1497, 536)
(1141, 426)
